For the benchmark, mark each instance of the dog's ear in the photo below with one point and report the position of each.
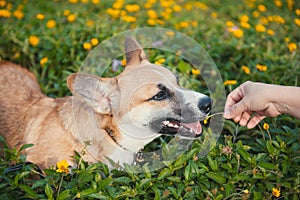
(95, 91)
(135, 54)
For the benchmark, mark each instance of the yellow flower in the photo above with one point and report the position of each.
(94, 41)
(67, 12)
(18, 14)
(255, 14)
(184, 24)
(84, 1)
(246, 191)
(118, 4)
(278, 3)
(152, 14)
(123, 62)
(270, 32)
(205, 121)
(51, 23)
(260, 28)
(261, 68)
(33, 40)
(201, 5)
(245, 25)
(264, 20)
(261, 8)
(71, 18)
(132, 7)
(297, 21)
(87, 45)
(43, 61)
(2, 3)
(160, 61)
(151, 22)
(246, 69)
(275, 192)
(95, 1)
(292, 46)
(166, 3)
(90, 23)
(297, 11)
(195, 71)
(230, 82)
(229, 23)
(278, 19)
(73, 1)
(238, 33)
(244, 18)
(214, 15)
(148, 5)
(40, 16)
(266, 126)
(5, 13)
(177, 8)
(129, 19)
(62, 167)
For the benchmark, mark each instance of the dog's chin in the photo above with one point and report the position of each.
(190, 130)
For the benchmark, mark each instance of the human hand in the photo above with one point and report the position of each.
(251, 102)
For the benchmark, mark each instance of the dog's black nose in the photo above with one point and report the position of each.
(205, 104)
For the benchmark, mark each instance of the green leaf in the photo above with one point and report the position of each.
(267, 165)
(26, 146)
(63, 195)
(96, 196)
(49, 191)
(85, 176)
(29, 192)
(164, 173)
(245, 155)
(183, 67)
(216, 177)
(213, 163)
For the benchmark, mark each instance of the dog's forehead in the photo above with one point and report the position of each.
(148, 73)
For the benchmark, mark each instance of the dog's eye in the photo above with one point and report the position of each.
(160, 96)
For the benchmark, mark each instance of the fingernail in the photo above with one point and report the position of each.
(226, 113)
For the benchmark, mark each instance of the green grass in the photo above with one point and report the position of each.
(245, 164)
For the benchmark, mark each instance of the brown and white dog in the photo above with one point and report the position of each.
(106, 117)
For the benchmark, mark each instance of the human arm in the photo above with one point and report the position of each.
(251, 102)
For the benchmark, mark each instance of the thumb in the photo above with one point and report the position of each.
(235, 110)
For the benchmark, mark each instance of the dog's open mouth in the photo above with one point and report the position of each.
(185, 130)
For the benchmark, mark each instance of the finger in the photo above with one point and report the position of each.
(237, 118)
(255, 120)
(234, 97)
(235, 110)
(245, 118)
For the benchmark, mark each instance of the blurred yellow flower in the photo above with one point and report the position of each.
(43, 61)
(129, 19)
(152, 14)
(278, 19)
(244, 18)
(264, 20)
(62, 167)
(5, 13)
(67, 12)
(2, 3)
(270, 32)
(87, 45)
(214, 15)
(148, 5)
(18, 14)
(71, 18)
(51, 23)
(275, 192)
(177, 8)
(292, 46)
(262, 8)
(132, 7)
(94, 41)
(184, 24)
(229, 23)
(246, 191)
(246, 69)
(297, 11)
(160, 61)
(286, 39)
(245, 25)
(230, 82)
(297, 21)
(255, 14)
(73, 1)
(151, 22)
(33, 40)
(118, 4)
(123, 62)
(195, 71)
(278, 3)
(90, 23)
(95, 1)
(266, 126)
(201, 5)
(261, 68)
(238, 33)
(290, 4)
(170, 33)
(84, 1)
(40, 16)
(260, 28)
(166, 3)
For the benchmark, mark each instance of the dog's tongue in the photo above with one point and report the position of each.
(194, 127)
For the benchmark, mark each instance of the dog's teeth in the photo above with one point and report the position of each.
(191, 130)
(176, 126)
(171, 125)
(166, 123)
